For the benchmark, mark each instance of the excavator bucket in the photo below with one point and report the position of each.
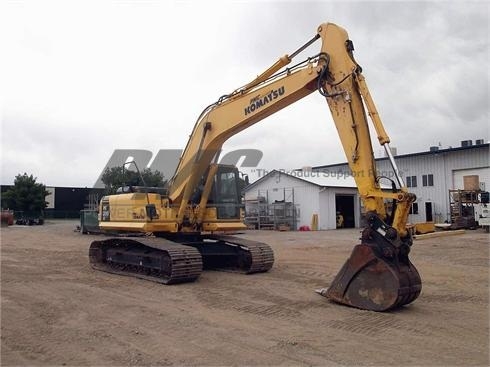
(371, 281)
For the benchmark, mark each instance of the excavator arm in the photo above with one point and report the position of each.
(334, 73)
(233, 113)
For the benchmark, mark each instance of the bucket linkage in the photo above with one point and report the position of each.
(378, 275)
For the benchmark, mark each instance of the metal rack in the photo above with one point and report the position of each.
(462, 208)
(259, 214)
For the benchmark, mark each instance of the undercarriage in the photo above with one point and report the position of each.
(180, 258)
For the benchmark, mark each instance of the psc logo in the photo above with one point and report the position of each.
(166, 160)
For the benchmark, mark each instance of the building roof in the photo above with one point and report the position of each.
(320, 179)
(435, 152)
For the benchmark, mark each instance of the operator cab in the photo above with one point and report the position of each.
(226, 194)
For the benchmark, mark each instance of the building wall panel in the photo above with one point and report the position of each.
(279, 186)
(443, 165)
(309, 198)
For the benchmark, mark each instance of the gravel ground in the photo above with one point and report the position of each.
(56, 310)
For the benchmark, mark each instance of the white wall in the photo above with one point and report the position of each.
(445, 166)
(482, 173)
(278, 186)
(328, 218)
(309, 198)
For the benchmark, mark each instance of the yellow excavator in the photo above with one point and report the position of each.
(190, 223)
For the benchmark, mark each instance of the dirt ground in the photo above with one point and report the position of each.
(56, 310)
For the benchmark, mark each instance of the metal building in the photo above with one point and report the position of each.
(301, 199)
(431, 174)
(66, 202)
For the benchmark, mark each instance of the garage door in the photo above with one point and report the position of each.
(483, 173)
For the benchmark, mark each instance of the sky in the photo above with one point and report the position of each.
(79, 79)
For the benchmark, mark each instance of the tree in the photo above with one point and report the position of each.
(26, 195)
(115, 177)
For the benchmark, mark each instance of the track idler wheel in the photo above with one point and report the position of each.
(372, 282)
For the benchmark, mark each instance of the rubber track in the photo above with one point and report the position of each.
(261, 254)
(186, 261)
